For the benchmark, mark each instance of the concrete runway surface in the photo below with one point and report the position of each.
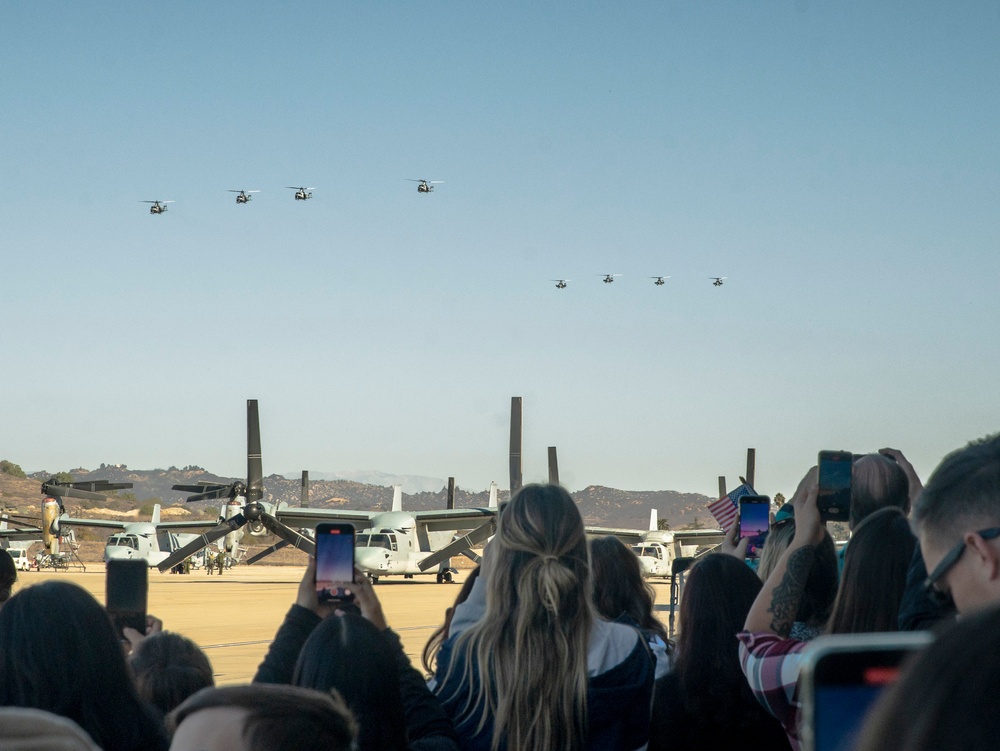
(235, 616)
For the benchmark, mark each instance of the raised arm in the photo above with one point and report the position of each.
(775, 608)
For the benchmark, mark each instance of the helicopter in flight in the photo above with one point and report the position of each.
(609, 278)
(425, 186)
(157, 207)
(659, 280)
(244, 195)
(301, 194)
(718, 280)
(560, 283)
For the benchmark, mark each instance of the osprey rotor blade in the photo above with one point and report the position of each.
(255, 472)
(99, 486)
(288, 534)
(515, 445)
(222, 491)
(201, 487)
(553, 466)
(68, 491)
(459, 546)
(203, 541)
(265, 553)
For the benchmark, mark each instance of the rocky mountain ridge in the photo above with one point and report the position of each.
(600, 506)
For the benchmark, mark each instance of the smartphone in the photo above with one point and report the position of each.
(755, 520)
(334, 561)
(125, 587)
(834, 499)
(842, 676)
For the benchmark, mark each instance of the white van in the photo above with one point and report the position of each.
(21, 560)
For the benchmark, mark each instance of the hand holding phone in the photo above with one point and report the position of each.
(125, 591)
(755, 521)
(834, 495)
(334, 562)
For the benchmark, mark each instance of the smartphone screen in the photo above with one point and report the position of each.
(755, 520)
(125, 590)
(834, 499)
(334, 561)
(842, 679)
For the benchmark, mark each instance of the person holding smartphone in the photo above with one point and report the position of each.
(868, 598)
(345, 643)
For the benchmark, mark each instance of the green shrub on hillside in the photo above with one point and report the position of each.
(9, 468)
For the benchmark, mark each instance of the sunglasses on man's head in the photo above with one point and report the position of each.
(943, 596)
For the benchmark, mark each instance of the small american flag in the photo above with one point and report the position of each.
(724, 510)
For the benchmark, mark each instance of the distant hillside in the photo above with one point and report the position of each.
(412, 483)
(600, 506)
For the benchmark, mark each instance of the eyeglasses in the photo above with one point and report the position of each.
(936, 594)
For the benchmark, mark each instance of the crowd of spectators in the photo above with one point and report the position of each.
(553, 642)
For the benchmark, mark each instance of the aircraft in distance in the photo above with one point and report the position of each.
(718, 280)
(425, 186)
(244, 195)
(608, 278)
(560, 283)
(150, 541)
(244, 509)
(397, 542)
(301, 194)
(53, 510)
(657, 548)
(659, 280)
(158, 207)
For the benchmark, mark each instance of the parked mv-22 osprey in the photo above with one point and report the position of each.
(151, 541)
(389, 543)
(396, 542)
(658, 548)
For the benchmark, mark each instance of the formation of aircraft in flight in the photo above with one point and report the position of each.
(659, 281)
(301, 194)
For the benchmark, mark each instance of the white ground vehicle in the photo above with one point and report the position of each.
(21, 560)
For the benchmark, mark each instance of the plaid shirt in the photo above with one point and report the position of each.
(771, 665)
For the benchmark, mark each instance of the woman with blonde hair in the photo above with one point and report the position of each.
(527, 665)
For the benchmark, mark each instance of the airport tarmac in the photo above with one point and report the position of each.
(235, 616)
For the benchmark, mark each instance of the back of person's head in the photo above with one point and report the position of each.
(23, 729)
(717, 596)
(8, 575)
(428, 657)
(945, 698)
(263, 717)
(718, 593)
(875, 567)
(349, 654)
(59, 652)
(877, 482)
(530, 647)
(619, 588)
(168, 668)
(963, 494)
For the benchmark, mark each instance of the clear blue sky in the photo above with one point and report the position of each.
(838, 162)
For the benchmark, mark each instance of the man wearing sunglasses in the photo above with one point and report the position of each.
(958, 524)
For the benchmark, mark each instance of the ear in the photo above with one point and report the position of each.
(987, 557)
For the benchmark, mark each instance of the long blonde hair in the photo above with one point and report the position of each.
(530, 649)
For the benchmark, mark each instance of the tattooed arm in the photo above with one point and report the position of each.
(775, 607)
